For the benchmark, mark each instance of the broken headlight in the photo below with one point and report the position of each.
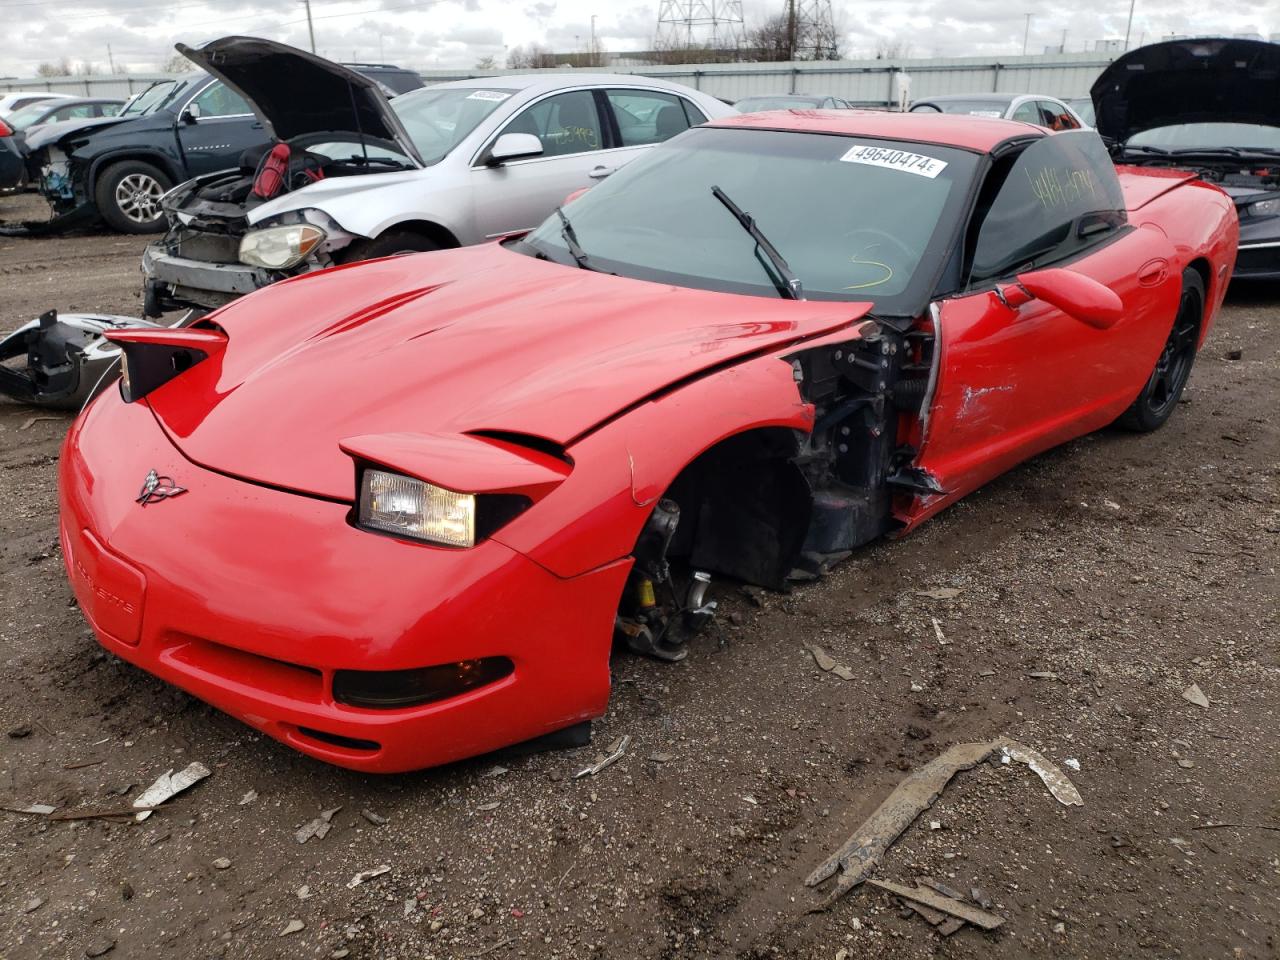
(405, 507)
(279, 248)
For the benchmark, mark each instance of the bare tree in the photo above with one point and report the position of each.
(533, 57)
(176, 63)
(486, 63)
(893, 49)
(783, 38)
(87, 68)
(60, 69)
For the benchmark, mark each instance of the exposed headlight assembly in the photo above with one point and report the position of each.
(1264, 208)
(405, 507)
(279, 248)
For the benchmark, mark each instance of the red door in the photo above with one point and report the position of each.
(1014, 381)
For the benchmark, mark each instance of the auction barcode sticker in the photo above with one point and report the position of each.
(494, 95)
(916, 163)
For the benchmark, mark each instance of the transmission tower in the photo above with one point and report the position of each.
(693, 24)
(811, 25)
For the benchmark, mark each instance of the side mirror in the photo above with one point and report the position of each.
(513, 146)
(191, 112)
(1073, 293)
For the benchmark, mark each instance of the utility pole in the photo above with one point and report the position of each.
(791, 29)
(1129, 25)
(1026, 33)
(1063, 48)
(311, 30)
(592, 49)
(111, 63)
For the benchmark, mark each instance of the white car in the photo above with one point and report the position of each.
(1035, 108)
(15, 100)
(352, 176)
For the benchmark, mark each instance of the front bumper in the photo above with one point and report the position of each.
(171, 282)
(251, 598)
(1259, 261)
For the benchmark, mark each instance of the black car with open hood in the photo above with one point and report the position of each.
(1211, 105)
(249, 96)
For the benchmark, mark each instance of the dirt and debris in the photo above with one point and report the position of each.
(1193, 694)
(617, 750)
(662, 860)
(317, 828)
(941, 903)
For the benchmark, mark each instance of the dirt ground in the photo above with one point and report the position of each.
(1125, 567)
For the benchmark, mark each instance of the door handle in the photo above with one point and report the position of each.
(600, 172)
(1153, 272)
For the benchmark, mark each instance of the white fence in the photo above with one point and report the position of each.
(869, 82)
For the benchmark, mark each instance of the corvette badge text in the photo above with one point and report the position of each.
(903, 160)
(102, 593)
(156, 488)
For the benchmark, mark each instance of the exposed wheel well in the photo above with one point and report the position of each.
(433, 231)
(1202, 267)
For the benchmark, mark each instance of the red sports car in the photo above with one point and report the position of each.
(399, 513)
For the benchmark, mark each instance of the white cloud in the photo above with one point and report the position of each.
(456, 33)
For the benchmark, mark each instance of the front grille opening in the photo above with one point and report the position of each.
(337, 740)
(388, 689)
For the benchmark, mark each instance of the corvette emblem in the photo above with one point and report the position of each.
(156, 488)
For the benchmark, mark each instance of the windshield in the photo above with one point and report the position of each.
(972, 108)
(437, 120)
(752, 104)
(1209, 136)
(854, 219)
(150, 99)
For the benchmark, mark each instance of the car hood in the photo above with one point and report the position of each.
(46, 133)
(1188, 81)
(298, 94)
(450, 343)
(344, 190)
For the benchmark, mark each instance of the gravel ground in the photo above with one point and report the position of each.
(1127, 567)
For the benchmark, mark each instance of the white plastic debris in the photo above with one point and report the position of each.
(1073, 763)
(169, 785)
(40, 808)
(318, 827)
(1193, 694)
(364, 875)
(1063, 790)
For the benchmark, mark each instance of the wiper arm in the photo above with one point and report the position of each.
(788, 283)
(571, 241)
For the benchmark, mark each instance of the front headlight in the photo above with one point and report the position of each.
(278, 248)
(1264, 208)
(406, 507)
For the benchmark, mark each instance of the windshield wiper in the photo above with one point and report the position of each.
(571, 241)
(788, 283)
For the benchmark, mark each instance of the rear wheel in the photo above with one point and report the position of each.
(1164, 387)
(390, 244)
(128, 196)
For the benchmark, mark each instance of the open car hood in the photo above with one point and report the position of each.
(297, 94)
(447, 344)
(1188, 81)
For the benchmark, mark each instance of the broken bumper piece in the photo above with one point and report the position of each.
(172, 283)
(163, 586)
(61, 362)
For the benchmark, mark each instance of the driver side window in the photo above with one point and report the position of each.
(1059, 196)
(566, 123)
(218, 100)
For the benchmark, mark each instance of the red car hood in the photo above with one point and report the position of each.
(446, 343)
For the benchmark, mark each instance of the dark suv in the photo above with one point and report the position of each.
(118, 168)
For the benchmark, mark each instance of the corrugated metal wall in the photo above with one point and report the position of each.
(863, 81)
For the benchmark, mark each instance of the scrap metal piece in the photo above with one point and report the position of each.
(364, 875)
(318, 827)
(860, 855)
(616, 751)
(1063, 790)
(936, 901)
(169, 785)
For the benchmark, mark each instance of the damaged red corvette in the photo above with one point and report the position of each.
(398, 513)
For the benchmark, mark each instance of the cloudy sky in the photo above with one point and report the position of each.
(457, 33)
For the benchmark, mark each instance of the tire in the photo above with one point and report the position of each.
(393, 243)
(1160, 394)
(128, 196)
